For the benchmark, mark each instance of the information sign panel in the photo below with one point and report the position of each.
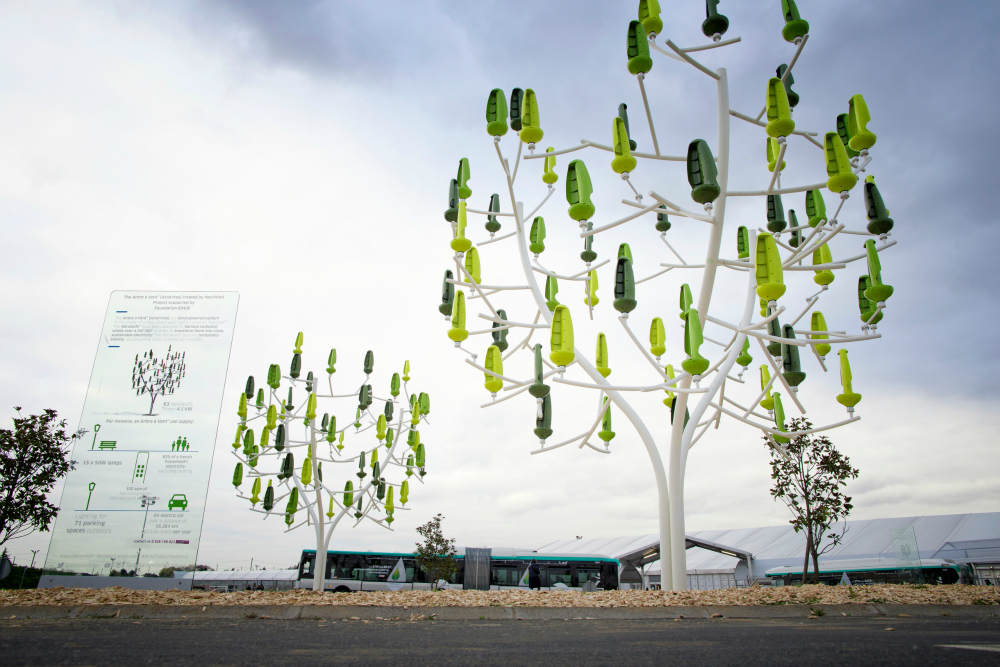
(136, 499)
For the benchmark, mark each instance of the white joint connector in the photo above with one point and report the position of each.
(708, 206)
(716, 37)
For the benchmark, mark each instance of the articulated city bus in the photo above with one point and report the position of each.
(865, 571)
(369, 570)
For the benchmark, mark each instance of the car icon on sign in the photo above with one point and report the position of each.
(177, 500)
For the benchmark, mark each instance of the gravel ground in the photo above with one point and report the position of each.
(879, 594)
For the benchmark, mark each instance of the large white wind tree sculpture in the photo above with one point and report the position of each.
(704, 389)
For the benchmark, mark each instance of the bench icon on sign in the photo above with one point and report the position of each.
(107, 445)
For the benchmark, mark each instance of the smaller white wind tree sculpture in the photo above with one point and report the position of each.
(381, 448)
(158, 376)
(705, 388)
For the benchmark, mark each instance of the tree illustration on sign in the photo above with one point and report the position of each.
(702, 388)
(158, 376)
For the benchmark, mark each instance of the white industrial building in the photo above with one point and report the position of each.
(241, 580)
(737, 557)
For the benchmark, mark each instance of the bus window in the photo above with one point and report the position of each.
(350, 567)
(559, 575)
(308, 565)
(585, 574)
(378, 569)
(411, 569)
(505, 576)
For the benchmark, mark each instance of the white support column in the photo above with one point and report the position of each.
(662, 488)
(676, 457)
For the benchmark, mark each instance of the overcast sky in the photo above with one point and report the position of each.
(299, 152)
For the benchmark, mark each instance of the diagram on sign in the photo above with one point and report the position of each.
(178, 500)
(106, 445)
(180, 444)
(90, 492)
(154, 376)
(141, 461)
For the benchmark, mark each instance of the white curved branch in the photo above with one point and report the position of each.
(575, 277)
(714, 45)
(639, 154)
(627, 218)
(678, 210)
(649, 357)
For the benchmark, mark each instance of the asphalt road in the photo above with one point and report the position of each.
(259, 642)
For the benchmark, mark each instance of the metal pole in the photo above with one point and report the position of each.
(676, 460)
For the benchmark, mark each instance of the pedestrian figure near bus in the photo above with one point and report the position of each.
(534, 576)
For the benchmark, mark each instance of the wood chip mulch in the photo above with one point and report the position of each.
(879, 594)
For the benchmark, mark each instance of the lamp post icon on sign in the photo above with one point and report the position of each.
(147, 502)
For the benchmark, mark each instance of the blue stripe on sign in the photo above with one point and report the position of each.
(121, 311)
(114, 345)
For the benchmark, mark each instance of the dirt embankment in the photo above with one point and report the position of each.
(880, 594)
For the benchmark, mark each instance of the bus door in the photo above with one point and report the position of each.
(307, 566)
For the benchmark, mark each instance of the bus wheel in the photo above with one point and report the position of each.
(341, 589)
